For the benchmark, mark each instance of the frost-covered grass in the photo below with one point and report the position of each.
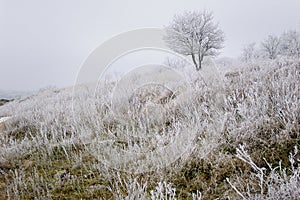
(244, 143)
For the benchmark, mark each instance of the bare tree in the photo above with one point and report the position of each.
(290, 44)
(249, 52)
(194, 34)
(271, 46)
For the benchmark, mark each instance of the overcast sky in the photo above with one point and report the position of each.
(45, 42)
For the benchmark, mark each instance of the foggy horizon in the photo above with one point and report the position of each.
(45, 43)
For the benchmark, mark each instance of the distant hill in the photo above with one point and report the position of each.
(11, 94)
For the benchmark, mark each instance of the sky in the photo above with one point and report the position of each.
(44, 43)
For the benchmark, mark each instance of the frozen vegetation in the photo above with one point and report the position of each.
(245, 148)
(243, 136)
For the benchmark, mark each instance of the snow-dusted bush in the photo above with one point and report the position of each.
(274, 183)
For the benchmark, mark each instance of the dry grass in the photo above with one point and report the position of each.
(47, 153)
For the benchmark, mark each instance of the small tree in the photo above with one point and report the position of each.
(249, 53)
(194, 34)
(271, 46)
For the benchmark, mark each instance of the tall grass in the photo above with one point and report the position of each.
(53, 148)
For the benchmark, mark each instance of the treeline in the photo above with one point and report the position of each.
(287, 44)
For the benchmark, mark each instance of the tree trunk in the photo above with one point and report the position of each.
(200, 58)
(200, 65)
(195, 62)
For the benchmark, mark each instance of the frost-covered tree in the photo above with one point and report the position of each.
(290, 44)
(271, 46)
(195, 34)
(249, 52)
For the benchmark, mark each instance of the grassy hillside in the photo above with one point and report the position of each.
(243, 141)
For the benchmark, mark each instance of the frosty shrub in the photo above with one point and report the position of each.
(50, 150)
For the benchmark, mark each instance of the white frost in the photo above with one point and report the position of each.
(4, 119)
